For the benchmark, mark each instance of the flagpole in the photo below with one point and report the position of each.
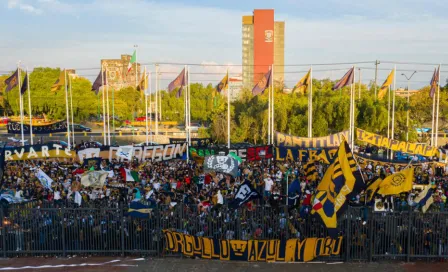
(269, 108)
(393, 112)
(310, 105)
(150, 110)
(71, 108)
(146, 108)
(136, 71)
(160, 105)
(108, 110)
(185, 104)
(388, 112)
(189, 108)
(359, 84)
(433, 119)
(156, 99)
(104, 105)
(228, 109)
(350, 115)
(353, 109)
(437, 112)
(66, 109)
(20, 103)
(29, 106)
(187, 134)
(273, 106)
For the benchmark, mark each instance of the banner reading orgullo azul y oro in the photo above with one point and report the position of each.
(292, 250)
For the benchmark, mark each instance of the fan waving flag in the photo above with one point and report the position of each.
(12, 81)
(244, 194)
(129, 175)
(303, 84)
(386, 84)
(179, 81)
(132, 61)
(346, 80)
(99, 81)
(337, 183)
(434, 82)
(263, 84)
(397, 183)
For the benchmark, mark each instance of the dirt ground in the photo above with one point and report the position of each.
(110, 264)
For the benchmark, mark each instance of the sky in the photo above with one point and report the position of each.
(78, 34)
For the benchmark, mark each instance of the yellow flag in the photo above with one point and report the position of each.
(386, 84)
(59, 82)
(397, 183)
(372, 188)
(303, 84)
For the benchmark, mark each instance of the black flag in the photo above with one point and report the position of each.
(24, 84)
(244, 194)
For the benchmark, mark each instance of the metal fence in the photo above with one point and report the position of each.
(368, 236)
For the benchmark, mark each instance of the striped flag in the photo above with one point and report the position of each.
(346, 80)
(132, 60)
(310, 171)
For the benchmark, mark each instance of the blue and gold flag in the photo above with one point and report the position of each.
(434, 82)
(346, 80)
(139, 210)
(180, 81)
(222, 85)
(263, 84)
(12, 81)
(99, 81)
(310, 171)
(337, 184)
(61, 81)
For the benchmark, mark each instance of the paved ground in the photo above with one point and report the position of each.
(110, 264)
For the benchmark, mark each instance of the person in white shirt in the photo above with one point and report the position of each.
(268, 182)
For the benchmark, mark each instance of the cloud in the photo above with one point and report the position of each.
(12, 4)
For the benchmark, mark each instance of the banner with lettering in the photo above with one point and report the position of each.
(15, 128)
(254, 153)
(33, 152)
(292, 250)
(283, 153)
(333, 140)
(141, 153)
(195, 142)
(396, 145)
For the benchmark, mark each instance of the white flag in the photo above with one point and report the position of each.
(125, 152)
(94, 179)
(44, 179)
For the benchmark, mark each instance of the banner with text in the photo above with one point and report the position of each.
(396, 145)
(255, 153)
(33, 152)
(303, 154)
(141, 153)
(15, 128)
(332, 140)
(195, 142)
(292, 250)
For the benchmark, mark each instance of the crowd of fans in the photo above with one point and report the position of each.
(190, 201)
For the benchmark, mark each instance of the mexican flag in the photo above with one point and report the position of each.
(129, 175)
(132, 61)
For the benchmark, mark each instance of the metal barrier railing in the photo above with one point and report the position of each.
(106, 230)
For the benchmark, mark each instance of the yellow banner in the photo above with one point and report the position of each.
(292, 250)
(332, 140)
(396, 145)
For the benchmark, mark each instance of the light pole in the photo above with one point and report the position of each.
(407, 112)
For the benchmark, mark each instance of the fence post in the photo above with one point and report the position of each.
(408, 246)
(2, 217)
(122, 228)
(371, 234)
(347, 234)
(64, 253)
